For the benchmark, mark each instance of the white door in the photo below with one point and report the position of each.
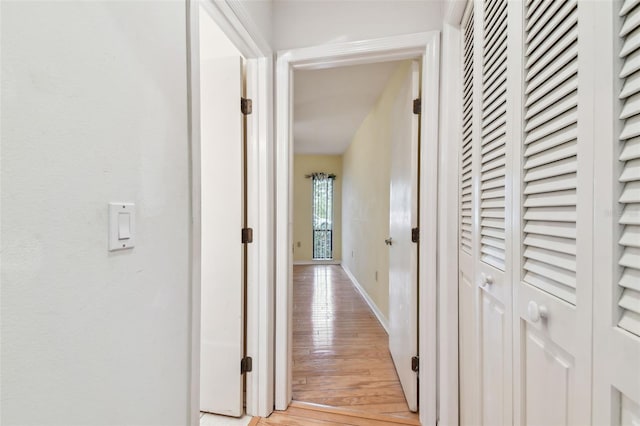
(553, 293)
(467, 290)
(616, 396)
(403, 253)
(553, 202)
(484, 260)
(222, 310)
(493, 202)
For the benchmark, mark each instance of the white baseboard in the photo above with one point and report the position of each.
(381, 318)
(317, 262)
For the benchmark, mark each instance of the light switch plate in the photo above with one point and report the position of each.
(122, 226)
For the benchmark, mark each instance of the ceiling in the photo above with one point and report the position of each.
(330, 104)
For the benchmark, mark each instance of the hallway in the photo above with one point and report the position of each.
(340, 350)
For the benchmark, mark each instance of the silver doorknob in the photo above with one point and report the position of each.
(388, 241)
(536, 312)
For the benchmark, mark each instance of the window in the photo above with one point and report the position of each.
(322, 220)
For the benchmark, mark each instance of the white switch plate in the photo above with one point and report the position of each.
(122, 226)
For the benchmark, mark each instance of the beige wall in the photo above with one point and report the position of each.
(302, 236)
(365, 186)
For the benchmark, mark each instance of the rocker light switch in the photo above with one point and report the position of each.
(121, 226)
(124, 225)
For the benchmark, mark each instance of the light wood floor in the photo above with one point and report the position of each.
(340, 350)
(306, 414)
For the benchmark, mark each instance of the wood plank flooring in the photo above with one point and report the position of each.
(306, 414)
(340, 350)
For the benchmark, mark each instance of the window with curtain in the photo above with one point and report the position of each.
(322, 219)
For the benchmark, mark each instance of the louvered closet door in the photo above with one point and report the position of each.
(629, 221)
(554, 294)
(494, 303)
(617, 304)
(467, 335)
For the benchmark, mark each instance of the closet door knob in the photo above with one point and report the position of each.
(388, 241)
(537, 312)
(486, 280)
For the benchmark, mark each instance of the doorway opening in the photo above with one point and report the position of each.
(425, 47)
(355, 321)
(231, 148)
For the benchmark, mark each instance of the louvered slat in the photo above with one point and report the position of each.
(551, 147)
(466, 238)
(550, 243)
(627, 6)
(494, 111)
(629, 241)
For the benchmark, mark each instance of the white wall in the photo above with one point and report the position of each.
(308, 23)
(94, 109)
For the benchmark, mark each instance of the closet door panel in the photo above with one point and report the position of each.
(554, 291)
(629, 164)
(549, 370)
(468, 354)
(493, 203)
(493, 345)
(617, 270)
(467, 169)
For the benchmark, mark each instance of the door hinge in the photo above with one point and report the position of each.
(247, 235)
(246, 106)
(415, 235)
(417, 106)
(246, 364)
(415, 363)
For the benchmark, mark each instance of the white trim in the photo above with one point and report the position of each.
(251, 34)
(193, 93)
(516, 89)
(260, 285)
(454, 11)
(428, 256)
(284, 231)
(451, 107)
(235, 22)
(384, 322)
(393, 48)
(422, 45)
(317, 262)
(448, 275)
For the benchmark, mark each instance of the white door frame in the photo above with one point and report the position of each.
(448, 218)
(232, 17)
(425, 46)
